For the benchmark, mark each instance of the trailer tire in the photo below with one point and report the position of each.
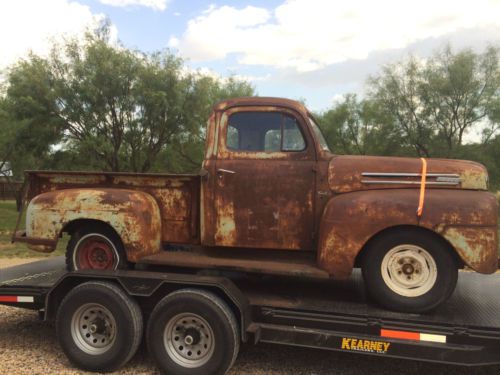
(98, 326)
(95, 246)
(409, 271)
(193, 331)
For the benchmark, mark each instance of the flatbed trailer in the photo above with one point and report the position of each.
(315, 313)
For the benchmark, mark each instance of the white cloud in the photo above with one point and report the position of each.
(307, 35)
(173, 42)
(31, 24)
(153, 4)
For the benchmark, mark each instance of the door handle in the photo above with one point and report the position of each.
(221, 170)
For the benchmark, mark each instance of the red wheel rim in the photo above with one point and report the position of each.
(95, 252)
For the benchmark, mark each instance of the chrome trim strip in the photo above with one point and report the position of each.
(400, 182)
(376, 174)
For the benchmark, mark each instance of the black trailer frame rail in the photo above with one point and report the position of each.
(466, 331)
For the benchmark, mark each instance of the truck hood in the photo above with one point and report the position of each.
(353, 173)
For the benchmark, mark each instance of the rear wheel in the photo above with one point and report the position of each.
(192, 331)
(95, 247)
(409, 271)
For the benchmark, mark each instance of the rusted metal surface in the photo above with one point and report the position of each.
(307, 200)
(264, 199)
(346, 173)
(176, 196)
(267, 262)
(350, 220)
(475, 245)
(133, 214)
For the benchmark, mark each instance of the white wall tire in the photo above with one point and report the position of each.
(409, 271)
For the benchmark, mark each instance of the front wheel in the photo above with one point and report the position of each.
(409, 272)
(192, 331)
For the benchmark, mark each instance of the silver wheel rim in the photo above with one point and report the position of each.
(93, 329)
(409, 270)
(189, 340)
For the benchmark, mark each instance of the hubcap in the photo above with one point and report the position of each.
(95, 251)
(409, 270)
(93, 329)
(189, 340)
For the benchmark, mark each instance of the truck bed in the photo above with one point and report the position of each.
(177, 195)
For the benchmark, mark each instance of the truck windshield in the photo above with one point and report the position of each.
(319, 135)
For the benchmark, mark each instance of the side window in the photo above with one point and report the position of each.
(232, 137)
(263, 132)
(292, 137)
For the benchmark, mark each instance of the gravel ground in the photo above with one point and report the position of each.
(29, 346)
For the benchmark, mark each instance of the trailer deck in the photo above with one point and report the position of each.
(326, 314)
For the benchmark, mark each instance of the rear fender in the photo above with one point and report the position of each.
(466, 219)
(134, 215)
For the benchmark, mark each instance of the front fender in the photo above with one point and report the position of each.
(134, 215)
(466, 219)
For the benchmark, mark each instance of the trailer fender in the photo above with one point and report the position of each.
(134, 215)
(350, 220)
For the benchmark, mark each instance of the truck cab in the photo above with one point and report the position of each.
(265, 176)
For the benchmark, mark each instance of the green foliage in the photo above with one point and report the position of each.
(426, 109)
(93, 105)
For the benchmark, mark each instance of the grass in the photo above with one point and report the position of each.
(8, 218)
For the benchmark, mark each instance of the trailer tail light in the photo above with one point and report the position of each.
(416, 336)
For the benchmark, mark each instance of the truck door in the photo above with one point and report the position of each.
(264, 180)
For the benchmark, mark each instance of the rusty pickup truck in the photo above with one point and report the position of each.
(272, 198)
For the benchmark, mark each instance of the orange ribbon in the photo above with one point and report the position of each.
(422, 188)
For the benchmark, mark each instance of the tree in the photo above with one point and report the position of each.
(437, 102)
(26, 129)
(360, 127)
(397, 91)
(117, 109)
(461, 90)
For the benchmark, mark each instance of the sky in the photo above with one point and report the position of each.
(313, 50)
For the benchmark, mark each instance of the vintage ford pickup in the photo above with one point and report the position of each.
(272, 198)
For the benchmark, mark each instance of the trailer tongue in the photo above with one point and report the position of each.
(281, 310)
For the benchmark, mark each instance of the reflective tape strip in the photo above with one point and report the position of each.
(400, 334)
(17, 299)
(416, 336)
(433, 338)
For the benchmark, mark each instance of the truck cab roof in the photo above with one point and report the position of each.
(260, 101)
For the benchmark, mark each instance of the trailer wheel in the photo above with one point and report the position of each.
(192, 331)
(409, 272)
(98, 326)
(95, 247)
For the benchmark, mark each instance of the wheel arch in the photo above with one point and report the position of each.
(409, 229)
(133, 215)
(351, 220)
